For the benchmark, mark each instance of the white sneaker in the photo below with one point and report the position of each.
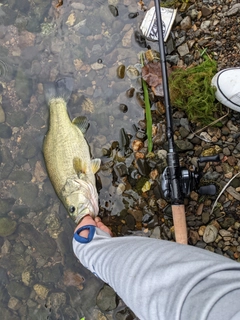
(227, 83)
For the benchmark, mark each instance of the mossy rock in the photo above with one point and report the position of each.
(7, 227)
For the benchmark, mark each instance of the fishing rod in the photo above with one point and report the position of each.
(176, 182)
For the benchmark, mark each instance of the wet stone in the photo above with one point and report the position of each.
(106, 299)
(21, 210)
(2, 115)
(3, 277)
(41, 242)
(6, 314)
(4, 296)
(5, 131)
(20, 176)
(23, 86)
(70, 313)
(18, 290)
(6, 205)
(17, 119)
(28, 192)
(35, 313)
(51, 274)
(7, 227)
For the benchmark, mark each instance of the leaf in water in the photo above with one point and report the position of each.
(152, 74)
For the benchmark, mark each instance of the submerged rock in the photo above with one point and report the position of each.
(7, 227)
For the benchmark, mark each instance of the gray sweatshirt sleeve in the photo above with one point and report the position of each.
(164, 280)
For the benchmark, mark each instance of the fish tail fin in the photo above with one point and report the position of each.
(62, 88)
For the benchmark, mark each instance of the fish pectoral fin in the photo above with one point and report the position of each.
(79, 166)
(95, 165)
(82, 123)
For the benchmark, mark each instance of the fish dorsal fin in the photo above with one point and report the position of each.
(79, 166)
(82, 123)
(95, 165)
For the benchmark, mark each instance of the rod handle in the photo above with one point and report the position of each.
(179, 222)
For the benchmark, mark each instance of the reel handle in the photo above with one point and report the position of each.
(210, 190)
(214, 158)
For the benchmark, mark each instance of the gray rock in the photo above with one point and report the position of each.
(183, 49)
(193, 13)
(173, 60)
(210, 234)
(5, 131)
(184, 145)
(106, 299)
(180, 41)
(205, 25)
(183, 132)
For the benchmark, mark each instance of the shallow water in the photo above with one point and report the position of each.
(40, 43)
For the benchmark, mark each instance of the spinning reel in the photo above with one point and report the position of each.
(188, 180)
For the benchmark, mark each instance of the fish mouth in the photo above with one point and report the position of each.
(90, 204)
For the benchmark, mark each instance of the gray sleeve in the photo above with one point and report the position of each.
(159, 279)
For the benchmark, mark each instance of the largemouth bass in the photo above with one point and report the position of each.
(67, 156)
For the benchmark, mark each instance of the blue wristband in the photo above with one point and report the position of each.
(80, 239)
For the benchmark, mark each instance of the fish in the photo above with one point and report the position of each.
(67, 155)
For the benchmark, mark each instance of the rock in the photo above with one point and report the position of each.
(184, 145)
(2, 114)
(206, 11)
(6, 205)
(5, 131)
(193, 237)
(127, 39)
(183, 49)
(41, 242)
(7, 227)
(233, 193)
(18, 290)
(205, 25)
(14, 303)
(156, 233)
(210, 234)
(106, 299)
(41, 291)
(186, 23)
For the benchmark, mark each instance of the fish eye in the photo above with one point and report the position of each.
(71, 209)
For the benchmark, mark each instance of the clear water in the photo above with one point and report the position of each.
(40, 43)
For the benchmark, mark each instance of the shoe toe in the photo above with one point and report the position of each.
(227, 84)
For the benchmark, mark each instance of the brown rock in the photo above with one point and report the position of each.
(206, 11)
(186, 23)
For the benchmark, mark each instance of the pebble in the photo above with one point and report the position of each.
(210, 234)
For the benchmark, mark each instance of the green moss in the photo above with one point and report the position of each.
(191, 91)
